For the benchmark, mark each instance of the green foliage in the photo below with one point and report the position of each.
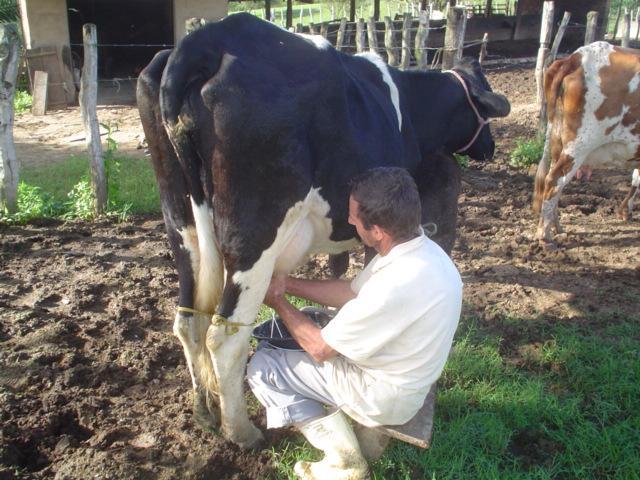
(462, 160)
(32, 203)
(22, 102)
(80, 204)
(527, 152)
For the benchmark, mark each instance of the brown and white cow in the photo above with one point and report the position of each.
(593, 104)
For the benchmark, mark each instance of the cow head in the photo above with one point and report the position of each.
(478, 142)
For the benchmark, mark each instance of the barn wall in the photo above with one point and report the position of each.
(186, 9)
(44, 23)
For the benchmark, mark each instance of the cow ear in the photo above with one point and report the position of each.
(494, 104)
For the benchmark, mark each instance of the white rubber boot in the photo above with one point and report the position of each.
(372, 442)
(342, 456)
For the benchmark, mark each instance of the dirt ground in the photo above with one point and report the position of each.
(93, 383)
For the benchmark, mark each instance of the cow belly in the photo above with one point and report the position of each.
(612, 155)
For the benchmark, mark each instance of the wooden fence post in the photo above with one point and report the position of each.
(289, 21)
(454, 37)
(9, 167)
(406, 42)
(556, 41)
(360, 36)
(390, 42)
(592, 26)
(324, 29)
(617, 22)
(340, 35)
(483, 48)
(546, 31)
(372, 35)
(637, 24)
(626, 33)
(88, 100)
(313, 29)
(422, 36)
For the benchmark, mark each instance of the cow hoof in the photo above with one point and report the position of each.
(548, 245)
(205, 412)
(250, 440)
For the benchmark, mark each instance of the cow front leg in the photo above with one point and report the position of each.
(191, 329)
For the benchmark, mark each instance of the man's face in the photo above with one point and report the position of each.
(366, 236)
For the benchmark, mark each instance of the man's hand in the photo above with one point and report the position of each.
(275, 292)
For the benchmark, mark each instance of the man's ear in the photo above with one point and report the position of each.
(378, 232)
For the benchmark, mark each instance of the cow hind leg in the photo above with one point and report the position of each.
(553, 185)
(626, 207)
(182, 221)
(228, 336)
(191, 329)
(200, 277)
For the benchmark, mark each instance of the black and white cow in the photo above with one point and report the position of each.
(255, 133)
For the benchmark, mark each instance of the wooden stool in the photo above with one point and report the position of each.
(416, 431)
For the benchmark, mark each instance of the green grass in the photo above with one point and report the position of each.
(135, 181)
(44, 191)
(556, 401)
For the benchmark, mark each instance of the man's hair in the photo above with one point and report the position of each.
(388, 197)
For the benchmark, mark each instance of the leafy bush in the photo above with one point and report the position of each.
(22, 101)
(72, 192)
(462, 160)
(80, 204)
(527, 152)
(32, 203)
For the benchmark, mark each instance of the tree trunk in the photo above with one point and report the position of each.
(9, 167)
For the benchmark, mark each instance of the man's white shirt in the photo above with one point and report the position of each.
(395, 336)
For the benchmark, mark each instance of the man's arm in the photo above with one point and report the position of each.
(301, 327)
(333, 293)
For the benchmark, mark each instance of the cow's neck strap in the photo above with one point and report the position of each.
(230, 328)
(481, 121)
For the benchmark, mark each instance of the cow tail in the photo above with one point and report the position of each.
(194, 61)
(543, 169)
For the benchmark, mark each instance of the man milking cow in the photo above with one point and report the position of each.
(388, 343)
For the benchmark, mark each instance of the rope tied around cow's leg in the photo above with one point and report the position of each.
(230, 328)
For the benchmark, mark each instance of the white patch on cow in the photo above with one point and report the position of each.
(635, 184)
(634, 83)
(319, 41)
(306, 229)
(209, 280)
(386, 76)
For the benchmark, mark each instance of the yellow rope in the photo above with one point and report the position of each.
(230, 328)
(191, 310)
